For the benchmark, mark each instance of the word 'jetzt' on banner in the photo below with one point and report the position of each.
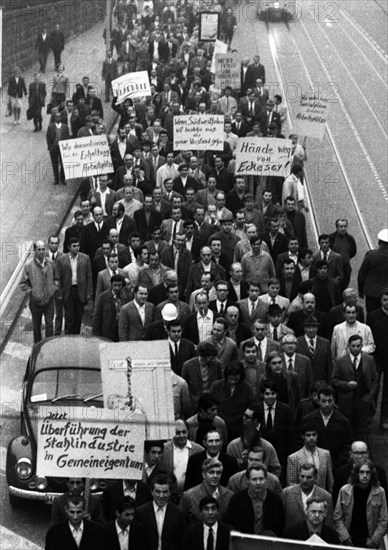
(86, 156)
(199, 132)
(261, 156)
(71, 445)
(131, 85)
(311, 116)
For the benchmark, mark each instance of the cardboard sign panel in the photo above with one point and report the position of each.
(228, 69)
(261, 156)
(199, 132)
(89, 442)
(149, 384)
(131, 85)
(311, 116)
(86, 156)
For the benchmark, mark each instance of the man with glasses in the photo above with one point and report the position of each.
(220, 305)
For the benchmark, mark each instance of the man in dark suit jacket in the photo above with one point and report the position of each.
(181, 264)
(334, 261)
(77, 230)
(169, 531)
(146, 219)
(57, 132)
(94, 103)
(373, 273)
(213, 443)
(184, 180)
(317, 349)
(43, 46)
(239, 126)
(336, 435)
(95, 232)
(114, 493)
(131, 324)
(122, 223)
(314, 523)
(297, 318)
(105, 313)
(36, 99)
(74, 295)
(61, 537)
(268, 117)
(256, 70)
(280, 242)
(280, 429)
(197, 534)
(57, 43)
(184, 349)
(241, 515)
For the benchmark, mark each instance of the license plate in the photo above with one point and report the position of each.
(49, 499)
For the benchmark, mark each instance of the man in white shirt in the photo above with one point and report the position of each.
(76, 531)
(123, 533)
(343, 331)
(177, 452)
(210, 533)
(130, 204)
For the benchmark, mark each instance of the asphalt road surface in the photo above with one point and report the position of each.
(340, 47)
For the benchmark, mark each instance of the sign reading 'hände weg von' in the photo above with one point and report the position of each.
(199, 132)
(261, 156)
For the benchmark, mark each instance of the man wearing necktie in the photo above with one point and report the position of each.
(355, 378)
(297, 363)
(210, 533)
(53, 253)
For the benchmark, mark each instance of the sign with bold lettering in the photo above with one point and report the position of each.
(199, 132)
(131, 85)
(311, 116)
(136, 377)
(261, 156)
(227, 71)
(219, 47)
(89, 442)
(86, 156)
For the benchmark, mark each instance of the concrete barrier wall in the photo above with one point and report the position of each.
(21, 25)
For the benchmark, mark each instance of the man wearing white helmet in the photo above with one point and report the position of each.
(158, 329)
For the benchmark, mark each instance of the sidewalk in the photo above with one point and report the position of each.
(31, 207)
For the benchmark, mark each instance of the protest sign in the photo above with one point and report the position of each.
(227, 71)
(144, 387)
(209, 26)
(311, 116)
(219, 47)
(89, 442)
(86, 156)
(241, 541)
(199, 132)
(261, 156)
(131, 85)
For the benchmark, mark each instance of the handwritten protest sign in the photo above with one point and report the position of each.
(86, 156)
(261, 156)
(227, 71)
(199, 132)
(311, 116)
(86, 442)
(150, 383)
(131, 85)
(219, 47)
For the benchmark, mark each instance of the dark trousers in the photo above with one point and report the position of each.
(42, 58)
(74, 309)
(382, 369)
(37, 118)
(58, 316)
(37, 312)
(57, 57)
(56, 162)
(360, 418)
(108, 87)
